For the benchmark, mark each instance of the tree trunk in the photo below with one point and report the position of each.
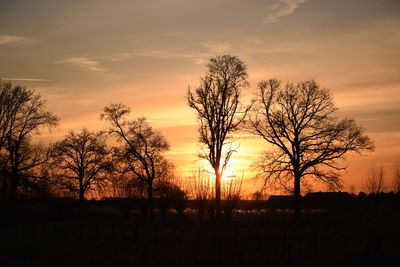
(13, 192)
(81, 191)
(218, 205)
(297, 199)
(150, 200)
(14, 175)
(14, 180)
(81, 195)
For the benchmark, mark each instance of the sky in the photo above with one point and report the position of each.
(84, 55)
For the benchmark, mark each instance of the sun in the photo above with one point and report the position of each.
(229, 173)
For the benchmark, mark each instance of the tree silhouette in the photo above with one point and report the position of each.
(231, 194)
(375, 181)
(396, 178)
(201, 191)
(216, 102)
(12, 99)
(300, 121)
(25, 161)
(22, 114)
(83, 160)
(143, 147)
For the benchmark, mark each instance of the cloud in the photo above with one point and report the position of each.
(85, 63)
(25, 79)
(161, 54)
(217, 47)
(281, 9)
(207, 49)
(9, 39)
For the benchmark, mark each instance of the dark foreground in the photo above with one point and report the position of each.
(250, 240)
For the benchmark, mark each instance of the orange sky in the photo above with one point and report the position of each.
(83, 55)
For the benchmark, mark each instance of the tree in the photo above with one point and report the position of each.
(12, 99)
(143, 147)
(25, 162)
(22, 114)
(396, 179)
(83, 160)
(352, 189)
(201, 191)
(216, 102)
(231, 194)
(300, 121)
(170, 195)
(375, 182)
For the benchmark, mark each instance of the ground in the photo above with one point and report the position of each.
(249, 240)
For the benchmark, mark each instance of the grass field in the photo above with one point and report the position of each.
(255, 241)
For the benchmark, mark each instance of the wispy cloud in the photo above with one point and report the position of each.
(217, 47)
(25, 79)
(281, 9)
(158, 53)
(9, 39)
(207, 49)
(85, 63)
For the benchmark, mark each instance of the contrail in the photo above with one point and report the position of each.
(25, 79)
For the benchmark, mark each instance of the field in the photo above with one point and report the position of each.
(251, 239)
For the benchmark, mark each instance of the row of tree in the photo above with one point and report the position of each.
(299, 120)
(80, 161)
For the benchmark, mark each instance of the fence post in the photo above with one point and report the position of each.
(135, 234)
(155, 234)
(44, 229)
(123, 233)
(285, 241)
(315, 241)
(96, 232)
(220, 256)
(290, 255)
(33, 230)
(368, 256)
(81, 231)
(112, 232)
(181, 232)
(215, 235)
(64, 230)
(346, 240)
(377, 249)
(146, 256)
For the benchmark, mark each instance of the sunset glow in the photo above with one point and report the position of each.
(199, 133)
(151, 51)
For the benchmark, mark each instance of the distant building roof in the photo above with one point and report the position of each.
(327, 195)
(280, 202)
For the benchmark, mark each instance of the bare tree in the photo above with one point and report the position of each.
(231, 194)
(170, 194)
(26, 162)
(396, 178)
(143, 147)
(352, 189)
(216, 102)
(12, 100)
(121, 184)
(22, 114)
(300, 121)
(83, 160)
(258, 195)
(201, 191)
(375, 182)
